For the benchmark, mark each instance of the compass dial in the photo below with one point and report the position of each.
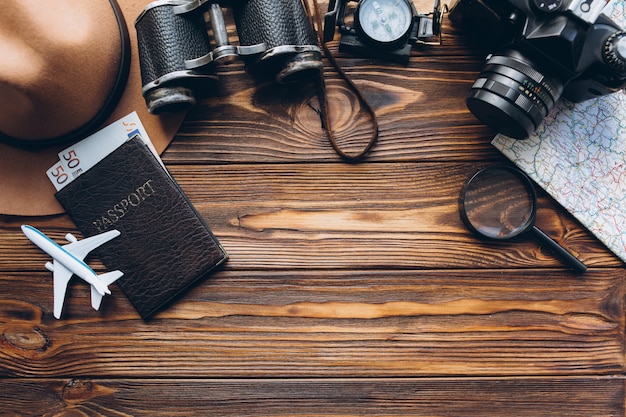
(384, 22)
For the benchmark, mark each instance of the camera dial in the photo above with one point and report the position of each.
(548, 6)
(384, 22)
(615, 51)
(511, 96)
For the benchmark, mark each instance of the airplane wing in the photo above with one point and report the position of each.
(106, 278)
(81, 248)
(61, 277)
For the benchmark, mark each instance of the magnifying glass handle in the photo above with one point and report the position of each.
(559, 250)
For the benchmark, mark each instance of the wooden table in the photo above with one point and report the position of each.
(351, 289)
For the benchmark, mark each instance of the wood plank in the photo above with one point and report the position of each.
(393, 216)
(498, 397)
(326, 323)
(248, 122)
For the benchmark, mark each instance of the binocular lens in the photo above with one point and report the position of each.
(512, 97)
(300, 67)
(169, 99)
(166, 41)
(292, 53)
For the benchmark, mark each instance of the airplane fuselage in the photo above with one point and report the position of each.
(65, 258)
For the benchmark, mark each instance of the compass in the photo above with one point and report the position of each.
(384, 23)
(385, 29)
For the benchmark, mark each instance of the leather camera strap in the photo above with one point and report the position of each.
(323, 96)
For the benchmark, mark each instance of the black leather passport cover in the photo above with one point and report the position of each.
(164, 246)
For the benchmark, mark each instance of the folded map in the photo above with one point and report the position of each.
(578, 155)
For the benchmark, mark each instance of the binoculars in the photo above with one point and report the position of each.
(181, 42)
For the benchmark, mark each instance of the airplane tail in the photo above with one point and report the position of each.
(107, 279)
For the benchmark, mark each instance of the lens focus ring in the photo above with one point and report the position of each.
(547, 90)
(512, 96)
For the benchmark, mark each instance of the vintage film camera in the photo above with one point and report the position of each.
(545, 49)
(179, 51)
(385, 29)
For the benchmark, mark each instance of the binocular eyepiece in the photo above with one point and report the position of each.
(178, 58)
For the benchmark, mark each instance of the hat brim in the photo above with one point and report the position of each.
(25, 189)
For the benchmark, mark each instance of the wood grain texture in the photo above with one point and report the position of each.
(322, 323)
(418, 111)
(392, 215)
(351, 289)
(539, 397)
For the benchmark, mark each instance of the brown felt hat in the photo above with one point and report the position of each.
(67, 69)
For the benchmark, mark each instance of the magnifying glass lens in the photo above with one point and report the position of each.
(498, 204)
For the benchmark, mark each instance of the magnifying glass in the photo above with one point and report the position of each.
(499, 203)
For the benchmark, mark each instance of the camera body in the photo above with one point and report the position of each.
(386, 29)
(178, 57)
(545, 49)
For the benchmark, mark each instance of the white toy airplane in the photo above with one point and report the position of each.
(68, 261)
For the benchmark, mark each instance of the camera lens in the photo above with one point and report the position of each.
(511, 96)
